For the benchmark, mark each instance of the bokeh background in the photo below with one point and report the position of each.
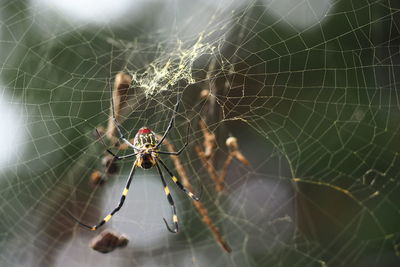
(309, 88)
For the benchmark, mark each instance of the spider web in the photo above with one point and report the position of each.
(309, 89)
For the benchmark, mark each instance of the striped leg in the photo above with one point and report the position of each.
(121, 202)
(181, 187)
(171, 202)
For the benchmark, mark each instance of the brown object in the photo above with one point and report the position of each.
(124, 146)
(240, 157)
(120, 93)
(198, 204)
(110, 164)
(231, 142)
(209, 142)
(221, 179)
(234, 152)
(210, 168)
(97, 178)
(233, 146)
(107, 241)
(204, 93)
(206, 156)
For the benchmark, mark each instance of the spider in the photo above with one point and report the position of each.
(147, 154)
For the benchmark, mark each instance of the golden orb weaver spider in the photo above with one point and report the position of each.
(147, 153)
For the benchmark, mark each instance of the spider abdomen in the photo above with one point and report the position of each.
(146, 161)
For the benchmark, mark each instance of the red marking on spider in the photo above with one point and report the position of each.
(144, 130)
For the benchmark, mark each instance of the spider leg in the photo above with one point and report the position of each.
(122, 157)
(121, 136)
(182, 148)
(171, 122)
(171, 202)
(175, 180)
(109, 151)
(173, 153)
(115, 210)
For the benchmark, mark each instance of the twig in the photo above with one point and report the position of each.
(221, 179)
(234, 152)
(210, 168)
(119, 95)
(233, 146)
(209, 140)
(207, 159)
(124, 146)
(206, 156)
(198, 204)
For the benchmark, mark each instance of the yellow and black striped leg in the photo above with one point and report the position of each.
(121, 202)
(171, 202)
(181, 187)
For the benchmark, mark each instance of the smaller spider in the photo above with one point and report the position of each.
(147, 154)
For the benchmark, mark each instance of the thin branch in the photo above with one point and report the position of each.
(198, 204)
(210, 168)
(207, 159)
(221, 179)
(233, 146)
(119, 94)
(209, 142)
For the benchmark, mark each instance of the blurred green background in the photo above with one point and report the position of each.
(309, 88)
